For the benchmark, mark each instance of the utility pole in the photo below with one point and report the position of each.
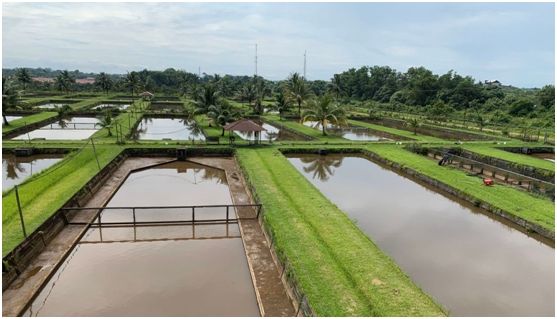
(199, 72)
(256, 60)
(305, 64)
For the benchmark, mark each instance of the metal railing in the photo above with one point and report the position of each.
(71, 126)
(164, 215)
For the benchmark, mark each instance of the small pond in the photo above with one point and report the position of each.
(111, 106)
(471, 263)
(272, 133)
(153, 128)
(353, 133)
(179, 270)
(10, 118)
(15, 169)
(72, 128)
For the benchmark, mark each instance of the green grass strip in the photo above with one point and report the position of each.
(298, 127)
(43, 194)
(27, 120)
(490, 150)
(535, 209)
(340, 270)
(403, 133)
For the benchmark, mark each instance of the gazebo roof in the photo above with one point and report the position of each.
(244, 125)
(147, 93)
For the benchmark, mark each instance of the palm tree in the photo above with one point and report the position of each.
(10, 97)
(336, 86)
(23, 77)
(106, 122)
(282, 104)
(208, 97)
(104, 82)
(131, 81)
(321, 166)
(414, 123)
(324, 111)
(64, 111)
(221, 114)
(298, 90)
(247, 93)
(64, 81)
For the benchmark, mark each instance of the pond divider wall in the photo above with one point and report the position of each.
(301, 304)
(29, 127)
(16, 260)
(438, 185)
(289, 130)
(426, 129)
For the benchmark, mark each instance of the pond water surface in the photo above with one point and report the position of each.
(15, 169)
(471, 263)
(152, 128)
(73, 128)
(353, 133)
(546, 156)
(179, 270)
(111, 106)
(272, 133)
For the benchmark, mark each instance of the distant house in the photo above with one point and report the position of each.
(147, 95)
(42, 79)
(492, 82)
(88, 80)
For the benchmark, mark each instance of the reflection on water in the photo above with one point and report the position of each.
(352, 133)
(179, 270)
(321, 167)
(15, 169)
(72, 128)
(271, 134)
(111, 106)
(50, 105)
(469, 262)
(168, 128)
(546, 156)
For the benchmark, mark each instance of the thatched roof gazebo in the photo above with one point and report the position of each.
(245, 126)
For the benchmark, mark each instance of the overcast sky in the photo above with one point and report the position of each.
(511, 42)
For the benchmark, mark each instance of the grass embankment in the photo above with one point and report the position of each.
(27, 120)
(524, 205)
(44, 193)
(340, 270)
(89, 102)
(126, 122)
(490, 150)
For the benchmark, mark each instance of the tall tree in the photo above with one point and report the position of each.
(297, 90)
(23, 77)
(324, 110)
(10, 97)
(131, 82)
(336, 86)
(208, 97)
(104, 82)
(282, 104)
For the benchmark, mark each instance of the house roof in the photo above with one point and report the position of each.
(147, 93)
(244, 125)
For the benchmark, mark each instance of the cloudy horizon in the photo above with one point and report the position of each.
(510, 42)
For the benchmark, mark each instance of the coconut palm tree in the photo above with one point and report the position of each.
(282, 104)
(414, 123)
(336, 86)
(131, 82)
(324, 110)
(106, 122)
(104, 82)
(298, 90)
(23, 77)
(221, 114)
(10, 97)
(208, 97)
(247, 93)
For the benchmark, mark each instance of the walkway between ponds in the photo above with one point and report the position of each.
(31, 280)
(271, 293)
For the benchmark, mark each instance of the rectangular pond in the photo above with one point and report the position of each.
(353, 133)
(15, 169)
(72, 128)
(10, 118)
(177, 270)
(153, 128)
(104, 106)
(272, 133)
(471, 263)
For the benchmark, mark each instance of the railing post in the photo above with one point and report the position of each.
(133, 211)
(193, 215)
(227, 209)
(20, 212)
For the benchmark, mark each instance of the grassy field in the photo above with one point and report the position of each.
(491, 150)
(340, 270)
(27, 120)
(532, 208)
(44, 193)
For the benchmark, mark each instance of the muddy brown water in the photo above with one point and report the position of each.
(471, 263)
(545, 156)
(15, 169)
(168, 128)
(72, 128)
(179, 270)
